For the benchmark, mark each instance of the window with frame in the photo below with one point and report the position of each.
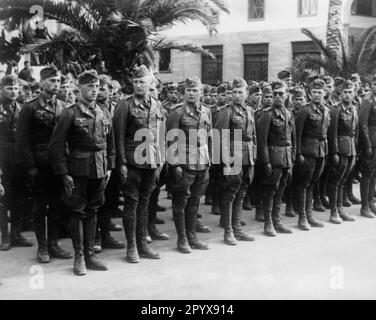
(256, 9)
(307, 8)
(366, 8)
(165, 60)
(212, 69)
(256, 62)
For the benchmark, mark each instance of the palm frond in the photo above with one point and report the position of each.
(184, 47)
(317, 42)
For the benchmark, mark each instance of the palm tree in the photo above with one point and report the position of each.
(333, 58)
(120, 32)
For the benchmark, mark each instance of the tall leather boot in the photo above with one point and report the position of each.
(16, 219)
(144, 250)
(215, 207)
(371, 197)
(259, 215)
(54, 223)
(345, 200)
(323, 188)
(237, 211)
(364, 193)
(341, 212)
(226, 208)
(5, 238)
(40, 213)
(154, 232)
(190, 225)
(349, 189)
(89, 228)
(301, 206)
(333, 199)
(76, 233)
(106, 240)
(317, 205)
(182, 243)
(276, 213)
(309, 210)
(129, 224)
(290, 212)
(267, 202)
(247, 203)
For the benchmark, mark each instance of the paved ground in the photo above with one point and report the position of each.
(337, 262)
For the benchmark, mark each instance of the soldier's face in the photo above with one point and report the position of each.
(299, 100)
(154, 92)
(317, 95)
(64, 91)
(89, 92)
(221, 98)
(104, 93)
(173, 95)
(268, 100)
(10, 92)
(329, 88)
(255, 97)
(356, 86)
(51, 85)
(279, 97)
(347, 95)
(373, 86)
(229, 96)
(239, 95)
(213, 96)
(141, 86)
(193, 95)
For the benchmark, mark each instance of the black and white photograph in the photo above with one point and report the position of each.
(187, 150)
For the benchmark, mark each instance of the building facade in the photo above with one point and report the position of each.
(259, 38)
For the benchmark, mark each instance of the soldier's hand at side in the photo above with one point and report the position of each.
(108, 176)
(178, 173)
(68, 184)
(335, 160)
(369, 153)
(301, 159)
(124, 171)
(268, 170)
(2, 190)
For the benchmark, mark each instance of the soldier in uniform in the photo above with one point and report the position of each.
(215, 170)
(189, 171)
(276, 145)
(213, 96)
(38, 119)
(64, 90)
(299, 100)
(255, 97)
(103, 237)
(233, 185)
(140, 113)
(312, 123)
(342, 150)
(206, 96)
(367, 158)
(12, 172)
(83, 154)
(172, 98)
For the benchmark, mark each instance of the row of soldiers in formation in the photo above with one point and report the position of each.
(77, 158)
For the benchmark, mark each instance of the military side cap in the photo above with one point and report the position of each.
(298, 93)
(8, 80)
(140, 72)
(87, 77)
(338, 81)
(105, 80)
(214, 90)
(192, 82)
(207, 88)
(222, 89)
(284, 74)
(312, 77)
(348, 84)
(328, 79)
(255, 89)
(267, 90)
(49, 72)
(318, 84)
(355, 77)
(35, 85)
(278, 84)
(64, 79)
(239, 83)
(172, 86)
